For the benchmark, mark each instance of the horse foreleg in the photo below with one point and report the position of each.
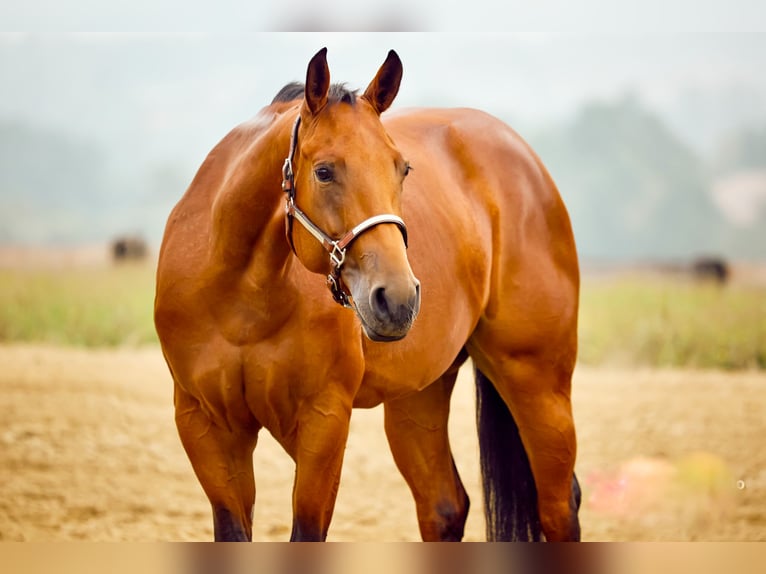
(318, 452)
(416, 427)
(223, 462)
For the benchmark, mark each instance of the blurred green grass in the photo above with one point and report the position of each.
(666, 321)
(627, 320)
(82, 306)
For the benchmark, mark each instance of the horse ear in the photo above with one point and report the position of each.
(384, 87)
(317, 81)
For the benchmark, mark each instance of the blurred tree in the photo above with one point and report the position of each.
(741, 150)
(633, 189)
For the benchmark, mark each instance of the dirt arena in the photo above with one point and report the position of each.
(88, 451)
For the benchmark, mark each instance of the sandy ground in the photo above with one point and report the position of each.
(89, 451)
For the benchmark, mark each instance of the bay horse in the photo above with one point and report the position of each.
(441, 237)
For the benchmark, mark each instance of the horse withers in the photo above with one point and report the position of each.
(441, 237)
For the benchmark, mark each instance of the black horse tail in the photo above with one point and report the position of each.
(510, 496)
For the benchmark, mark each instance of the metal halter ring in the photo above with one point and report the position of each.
(337, 256)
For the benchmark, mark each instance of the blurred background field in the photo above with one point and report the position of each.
(90, 306)
(628, 318)
(645, 319)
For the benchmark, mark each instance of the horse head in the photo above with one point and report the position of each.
(345, 177)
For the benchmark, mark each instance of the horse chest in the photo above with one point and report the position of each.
(282, 375)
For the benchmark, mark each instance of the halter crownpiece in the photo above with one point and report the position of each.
(335, 247)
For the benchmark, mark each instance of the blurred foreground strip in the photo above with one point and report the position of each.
(405, 558)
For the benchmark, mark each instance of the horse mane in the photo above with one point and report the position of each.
(295, 91)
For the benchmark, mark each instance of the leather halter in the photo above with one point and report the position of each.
(335, 247)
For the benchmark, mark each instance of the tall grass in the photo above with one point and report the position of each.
(658, 321)
(626, 321)
(84, 306)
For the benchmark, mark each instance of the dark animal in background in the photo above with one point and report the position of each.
(711, 268)
(129, 249)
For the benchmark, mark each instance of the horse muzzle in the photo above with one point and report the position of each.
(387, 312)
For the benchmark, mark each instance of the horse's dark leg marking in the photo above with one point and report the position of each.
(306, 533)
(574, 509)
(452, 525)
(226, 528)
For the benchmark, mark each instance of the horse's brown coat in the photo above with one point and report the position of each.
(253, 338)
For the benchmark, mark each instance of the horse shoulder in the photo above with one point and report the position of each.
(208, 240)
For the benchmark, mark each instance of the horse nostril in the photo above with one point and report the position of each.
(380, 303)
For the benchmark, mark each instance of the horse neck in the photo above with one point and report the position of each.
(248, 210)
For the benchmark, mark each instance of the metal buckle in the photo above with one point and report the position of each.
(338, 295)
(337, 256)
(287, 176)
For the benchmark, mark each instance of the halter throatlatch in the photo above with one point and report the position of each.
(335, 247)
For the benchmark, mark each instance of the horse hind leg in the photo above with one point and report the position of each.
(538, 401)
(222, 459)
(416, 428)
(510, 497)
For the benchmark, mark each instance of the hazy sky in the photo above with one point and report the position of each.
(150, 97)
(237, 16)
(179, 93)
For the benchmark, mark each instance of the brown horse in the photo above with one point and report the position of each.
(315, 191)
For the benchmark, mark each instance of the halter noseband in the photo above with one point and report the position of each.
(335, 247)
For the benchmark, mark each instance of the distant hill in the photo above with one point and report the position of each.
(56, 188)
(52, 187)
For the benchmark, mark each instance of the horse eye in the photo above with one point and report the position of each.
(407, 169)
(323, 174)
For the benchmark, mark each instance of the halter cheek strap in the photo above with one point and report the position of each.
(335, 247)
